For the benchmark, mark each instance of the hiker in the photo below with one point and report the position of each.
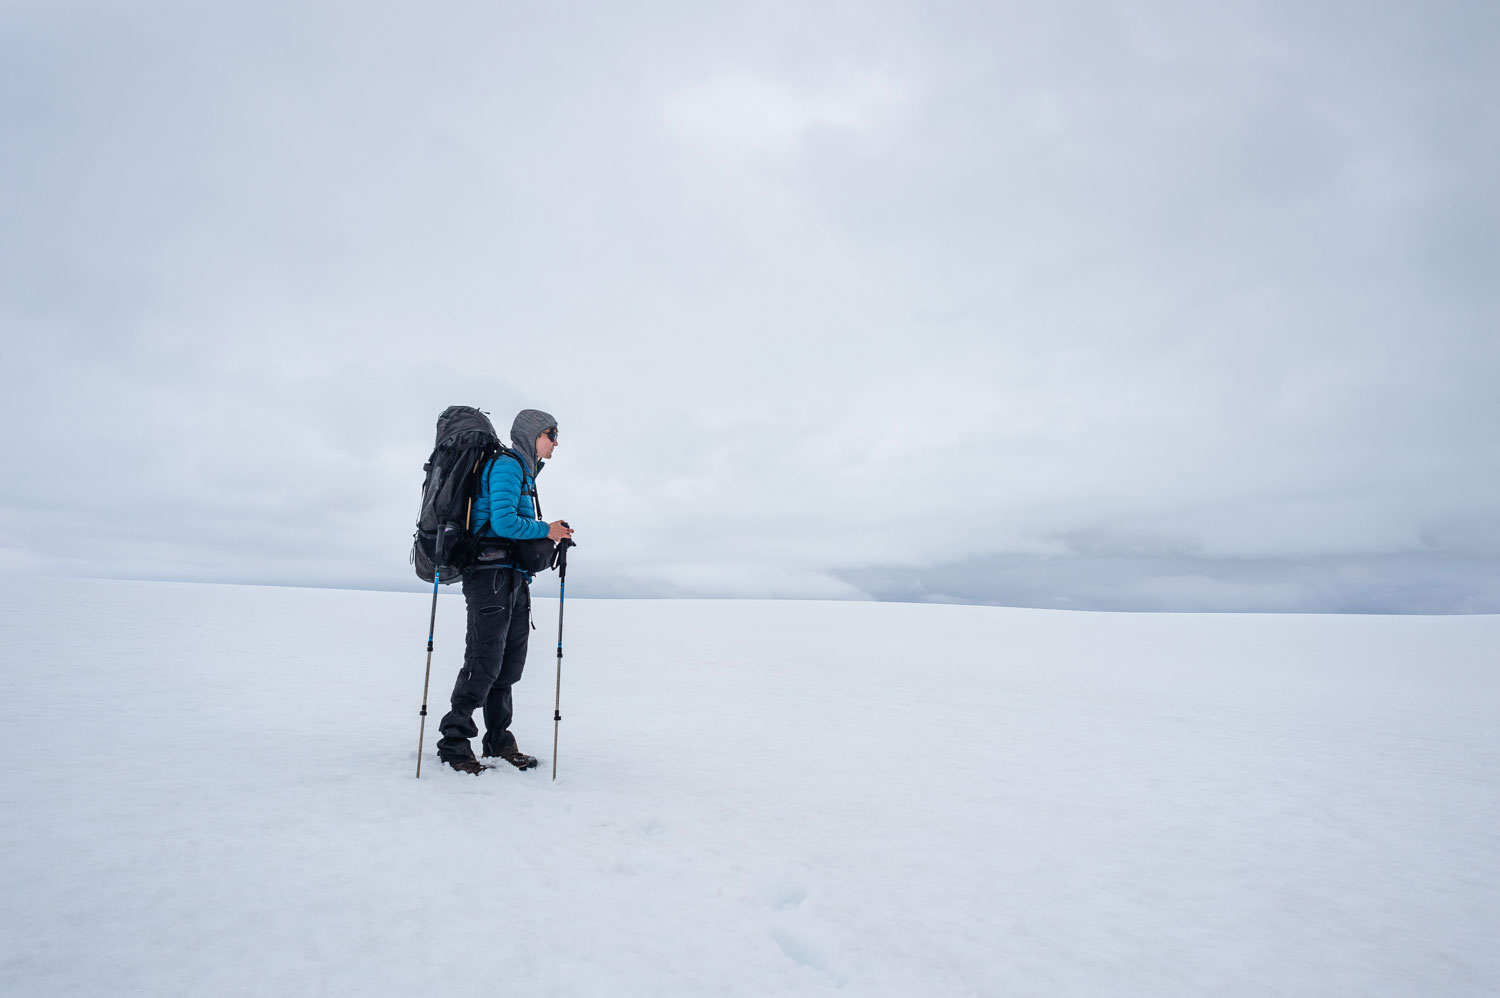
(497, 592)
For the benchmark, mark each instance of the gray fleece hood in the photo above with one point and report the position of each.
(528, 426)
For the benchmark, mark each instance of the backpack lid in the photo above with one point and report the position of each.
(459, 422)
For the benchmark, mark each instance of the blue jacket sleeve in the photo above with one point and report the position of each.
(506, 517)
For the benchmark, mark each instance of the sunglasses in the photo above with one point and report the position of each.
(551, 433)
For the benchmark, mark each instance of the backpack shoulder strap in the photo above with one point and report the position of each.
(536, 502)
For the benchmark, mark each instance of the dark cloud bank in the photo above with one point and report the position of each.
(1390, 584)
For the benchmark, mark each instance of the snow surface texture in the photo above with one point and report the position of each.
(208, 791)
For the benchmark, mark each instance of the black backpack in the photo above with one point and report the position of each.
(443, 546)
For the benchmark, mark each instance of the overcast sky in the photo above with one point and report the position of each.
(1119, 305)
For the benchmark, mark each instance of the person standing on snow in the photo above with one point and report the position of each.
(497, 592)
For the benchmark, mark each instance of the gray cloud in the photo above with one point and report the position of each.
(824, 297)
(1386, 584)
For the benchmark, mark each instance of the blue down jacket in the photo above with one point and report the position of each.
(503, 507)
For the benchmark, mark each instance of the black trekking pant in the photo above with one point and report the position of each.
(499, 605)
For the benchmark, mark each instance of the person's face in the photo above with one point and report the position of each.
(546, 443)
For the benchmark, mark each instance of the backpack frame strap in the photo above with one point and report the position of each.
(469, 509)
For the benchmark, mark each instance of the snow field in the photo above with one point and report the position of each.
(209, 791)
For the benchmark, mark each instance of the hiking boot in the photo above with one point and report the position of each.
(467, 765)
(516, 758)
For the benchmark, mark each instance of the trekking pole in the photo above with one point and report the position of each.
(562, 589)
(431, 626)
